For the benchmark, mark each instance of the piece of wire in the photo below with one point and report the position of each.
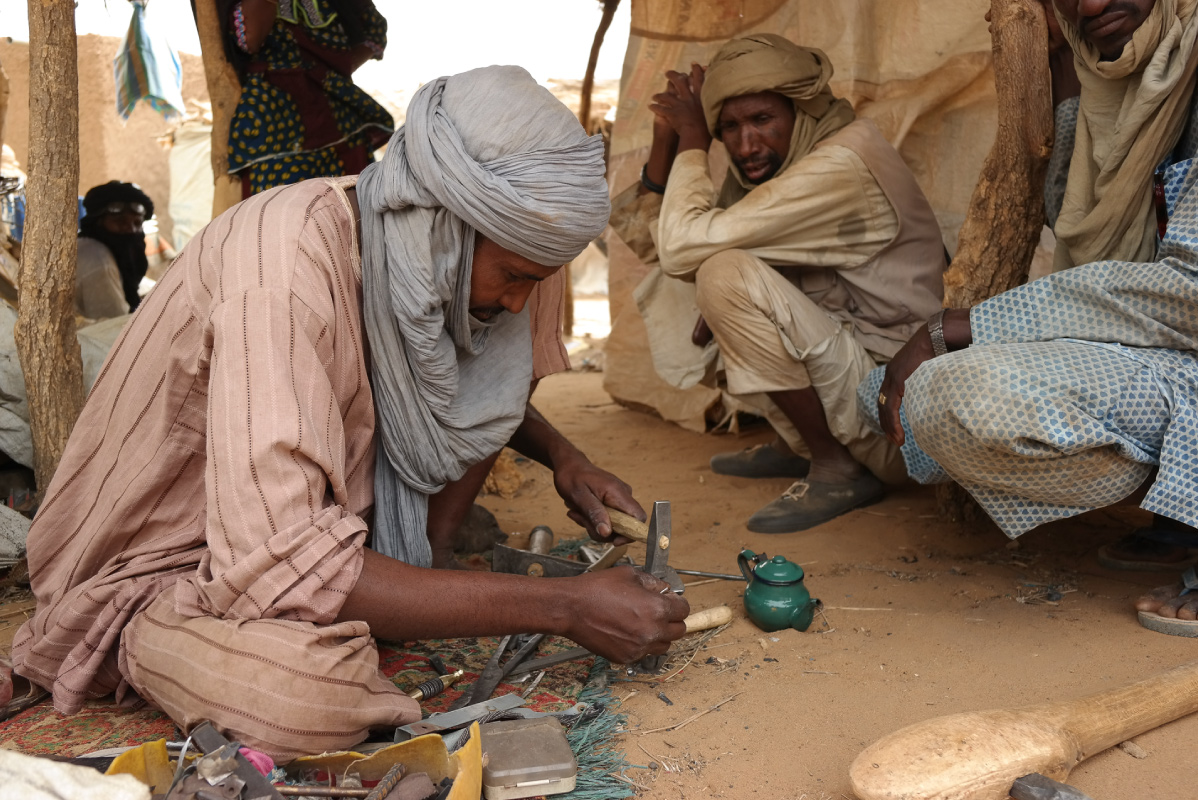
(181, 766)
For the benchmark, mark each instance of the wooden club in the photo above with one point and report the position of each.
(978, 755)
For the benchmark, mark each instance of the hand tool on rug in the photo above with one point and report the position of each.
(656, 536)
(1041, 787)
(699, 621)
(978, 755)
(434, 686)
(494, 672)
(457, 718)
(524, 562)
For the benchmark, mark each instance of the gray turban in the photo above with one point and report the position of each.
(487, 151)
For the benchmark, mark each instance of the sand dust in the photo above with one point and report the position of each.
(927, 618)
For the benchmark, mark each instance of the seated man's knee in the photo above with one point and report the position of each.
(721, 280)
(935, 398)
(950, 407)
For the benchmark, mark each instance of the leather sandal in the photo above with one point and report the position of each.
(760, 461)
(1150, 550)
(809, 503)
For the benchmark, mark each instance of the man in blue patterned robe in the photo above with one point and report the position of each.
(1073, 392)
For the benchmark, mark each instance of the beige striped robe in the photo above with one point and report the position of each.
(205, 524)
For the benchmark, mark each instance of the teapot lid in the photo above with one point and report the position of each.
(778, 571)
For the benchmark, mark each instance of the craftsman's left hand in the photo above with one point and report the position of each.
(586, 489)
(681, 106)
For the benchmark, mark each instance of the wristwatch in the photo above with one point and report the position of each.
(936, 331)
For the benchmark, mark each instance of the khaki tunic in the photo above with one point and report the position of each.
(810, 280)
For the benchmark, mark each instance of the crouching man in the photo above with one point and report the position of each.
(815, 262)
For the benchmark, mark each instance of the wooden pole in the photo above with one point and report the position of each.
(584, 116)
(588, 80)
(1006, 212)
(224, 90)
(45, 329)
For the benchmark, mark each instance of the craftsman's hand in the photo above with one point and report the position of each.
(623, 615)
(586, 489)
(917, 350)
(680, 106)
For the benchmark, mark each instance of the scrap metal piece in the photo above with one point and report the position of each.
(698, 573)
(610, 556)
(449, 720)
(1040, 787)
(208, 739)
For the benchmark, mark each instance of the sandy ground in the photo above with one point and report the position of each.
(925, 619)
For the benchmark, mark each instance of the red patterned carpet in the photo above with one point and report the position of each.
(102, 724)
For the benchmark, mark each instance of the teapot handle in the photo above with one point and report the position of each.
(742, 561)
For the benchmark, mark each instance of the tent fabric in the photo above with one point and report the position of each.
(191, 181)
(920, 69)
(95, 340)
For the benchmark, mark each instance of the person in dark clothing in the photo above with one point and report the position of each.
(112, 249)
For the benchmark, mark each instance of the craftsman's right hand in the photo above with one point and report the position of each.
(623, 615)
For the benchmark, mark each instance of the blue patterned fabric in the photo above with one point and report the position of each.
(1064, 135)
(1076, 386)
(1177, 166)
(147, 67)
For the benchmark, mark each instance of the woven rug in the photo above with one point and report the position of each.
(102, 724)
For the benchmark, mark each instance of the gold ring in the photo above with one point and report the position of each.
(881, 399)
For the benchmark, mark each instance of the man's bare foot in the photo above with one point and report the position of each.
(1168, 601)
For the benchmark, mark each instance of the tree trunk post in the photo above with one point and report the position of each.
(224, 90)
(584, 116)
(1006, 212)
(45, 329)
(588, 80)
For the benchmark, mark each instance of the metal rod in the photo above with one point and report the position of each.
(384, 787)
(700, 574)
(321, 791)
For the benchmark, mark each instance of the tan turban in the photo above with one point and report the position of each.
(765, 62)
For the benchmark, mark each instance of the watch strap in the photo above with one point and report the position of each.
(936, 331)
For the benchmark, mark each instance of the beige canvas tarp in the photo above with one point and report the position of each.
(921, 69)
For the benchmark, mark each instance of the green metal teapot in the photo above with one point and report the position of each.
(775, 597)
